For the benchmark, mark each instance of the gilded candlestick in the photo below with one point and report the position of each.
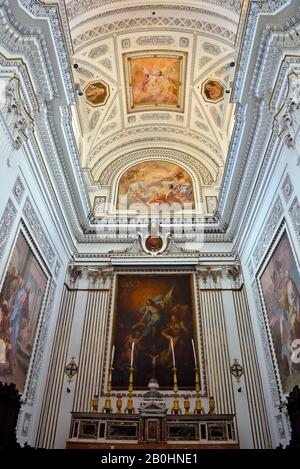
(176, 408)
(129, 409)
(95, 402)
(119, 404)
(186, 404)
(107, 406)
(212, 406)
(198, 405)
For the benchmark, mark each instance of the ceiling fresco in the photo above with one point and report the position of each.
(155, 77)
(155, 81)
(157, 184)
(96, 93)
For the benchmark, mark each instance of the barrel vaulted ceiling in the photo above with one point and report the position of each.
(153, 79)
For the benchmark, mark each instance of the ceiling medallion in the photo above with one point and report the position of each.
(154, 243)
(212, 91)
(96, 93)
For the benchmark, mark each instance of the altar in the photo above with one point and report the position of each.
(153, 426)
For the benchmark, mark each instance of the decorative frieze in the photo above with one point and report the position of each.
(6, 224)
(78, 8)
(192, 24)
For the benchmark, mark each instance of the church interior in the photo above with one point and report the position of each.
(150, 223)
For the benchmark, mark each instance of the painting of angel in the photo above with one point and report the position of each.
(155, 80)
(21, 298)
(154, 312)
(158, 185)
(280, 284)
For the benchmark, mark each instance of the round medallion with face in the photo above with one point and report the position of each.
(213, 91)
(154, 243)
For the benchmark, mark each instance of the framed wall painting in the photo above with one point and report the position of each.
(154, 312)
(279, 282)
(22, 296)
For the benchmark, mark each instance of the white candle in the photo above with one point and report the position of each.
(172, 347)
(194, 351)
(112, 356)
(132, 349)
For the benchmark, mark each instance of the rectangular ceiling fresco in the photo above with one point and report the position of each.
(155, 81)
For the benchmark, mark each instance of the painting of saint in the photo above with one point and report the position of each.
(151, 312)
(213, 91)
(21, 298)
(280, 283)
(156, 185)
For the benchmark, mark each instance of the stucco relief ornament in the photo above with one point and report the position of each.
(18, 119)
(289, 115)
(153, 243)
(71, 369)
(74, 273)
(237, 370)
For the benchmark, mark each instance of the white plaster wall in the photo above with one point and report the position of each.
(17, 163)
(286, 161)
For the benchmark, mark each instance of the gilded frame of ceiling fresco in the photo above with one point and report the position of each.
(155, 81)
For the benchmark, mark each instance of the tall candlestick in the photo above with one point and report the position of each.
(112, 356)
(194, 351)
(132, 349)
(173, 355)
